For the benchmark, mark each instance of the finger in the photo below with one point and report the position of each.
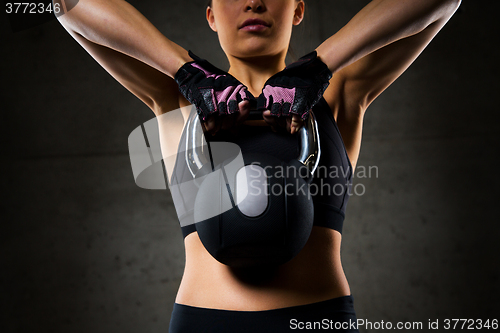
(295, 123)
(204, 126)
(213, 124)
(241, 116)
(210, 124)
(288, 124)
(270, 120)
(278, 124)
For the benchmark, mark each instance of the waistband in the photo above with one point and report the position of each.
(343, 304)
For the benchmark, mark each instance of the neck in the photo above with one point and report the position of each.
(254, 72)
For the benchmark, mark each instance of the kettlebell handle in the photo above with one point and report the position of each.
(310, 148)
(195, 157)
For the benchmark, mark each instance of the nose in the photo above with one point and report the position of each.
(255, 6)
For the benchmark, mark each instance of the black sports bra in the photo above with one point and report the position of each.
(331, 185)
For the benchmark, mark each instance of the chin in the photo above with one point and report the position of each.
(255, 49)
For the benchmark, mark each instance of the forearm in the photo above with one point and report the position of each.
(118, 25)
(380, 23)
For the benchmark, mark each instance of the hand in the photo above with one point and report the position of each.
(296, 89)
(213, 91)
(291, 124)
(214, 123)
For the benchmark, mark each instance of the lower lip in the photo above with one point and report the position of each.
(254, 28)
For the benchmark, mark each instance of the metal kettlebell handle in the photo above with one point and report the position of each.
(195, 158)
(310, 148)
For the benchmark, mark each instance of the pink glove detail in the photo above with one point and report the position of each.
(297, 88)
(210, 89)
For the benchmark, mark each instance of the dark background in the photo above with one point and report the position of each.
(83, 249)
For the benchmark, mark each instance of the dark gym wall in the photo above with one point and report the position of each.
(83, 249)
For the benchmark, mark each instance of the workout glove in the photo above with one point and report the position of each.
(209, 88)
(297, 88)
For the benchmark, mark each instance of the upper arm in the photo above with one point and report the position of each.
(365, 79)
(353, 88)
(156, 89)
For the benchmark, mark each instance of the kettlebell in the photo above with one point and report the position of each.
(248, 213)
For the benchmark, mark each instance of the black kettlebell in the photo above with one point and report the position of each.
(241, 216)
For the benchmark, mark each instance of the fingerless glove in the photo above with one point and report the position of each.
(210, 89)
(297, 88)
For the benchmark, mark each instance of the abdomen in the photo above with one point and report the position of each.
(314, 275)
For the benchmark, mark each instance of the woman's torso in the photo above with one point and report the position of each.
(314, 275)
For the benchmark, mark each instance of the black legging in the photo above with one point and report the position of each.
(334, 315)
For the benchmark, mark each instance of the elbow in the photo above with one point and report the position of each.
(454, 4)
(444, 10)
(63, 7)
(67, 17)
(59, 7)
(451, 7)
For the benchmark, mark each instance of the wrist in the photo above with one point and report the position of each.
(177, 61)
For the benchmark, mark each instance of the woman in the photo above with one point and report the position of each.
(365, 57)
